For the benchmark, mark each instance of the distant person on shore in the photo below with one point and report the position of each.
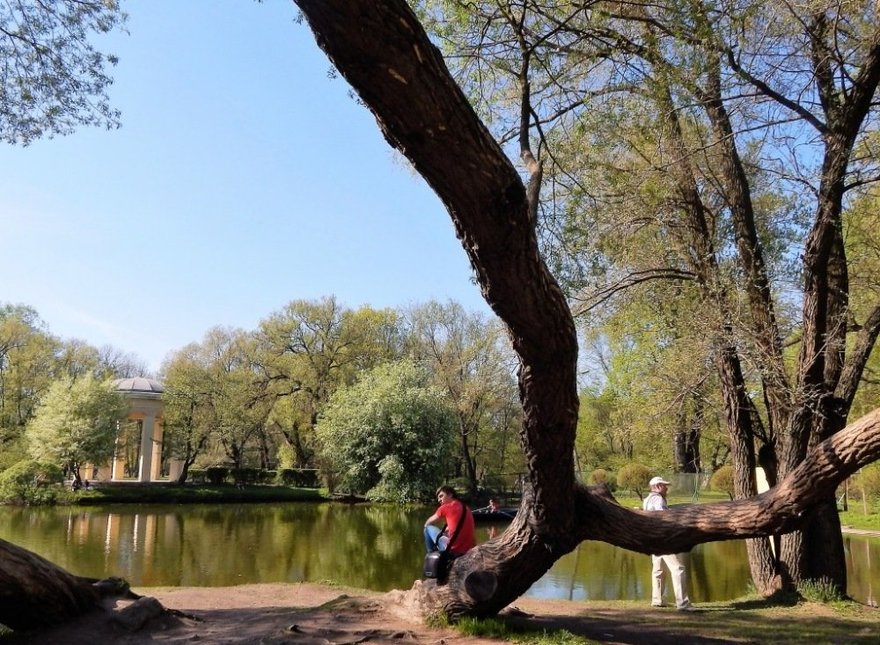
(458, 536)
(656, 501)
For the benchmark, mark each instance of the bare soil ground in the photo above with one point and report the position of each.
(309, 614)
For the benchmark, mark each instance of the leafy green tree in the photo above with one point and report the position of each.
(390, 435)
(27, 367)
(188, 412)
(239, 413)
(308, 350)
(76, 423)
(31, 358)
(469, 360)
(722, 480)
(635, 477)
(668, 145)
(53, 79)
(654, 381)
(75, 357)
(214, 402)
(30, 483)
(863, 251)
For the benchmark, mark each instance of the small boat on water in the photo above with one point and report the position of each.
(501, 515)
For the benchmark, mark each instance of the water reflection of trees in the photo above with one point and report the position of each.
(369, 546)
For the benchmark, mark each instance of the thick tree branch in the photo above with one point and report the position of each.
(782, 509)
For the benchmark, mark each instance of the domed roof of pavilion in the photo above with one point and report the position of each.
(139, 384)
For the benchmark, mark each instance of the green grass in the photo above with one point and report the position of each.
(783, 619)
(165, 493)
(856, 518)
(498, 628)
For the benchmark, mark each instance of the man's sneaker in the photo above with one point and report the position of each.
(657, 604)
(687, 607)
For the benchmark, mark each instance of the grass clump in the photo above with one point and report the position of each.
(504, 631)
(499, 629)
(822, 590)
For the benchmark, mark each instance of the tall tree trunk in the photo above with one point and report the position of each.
(467, 457)
(739, 410)
(687, 438)
(381, 49)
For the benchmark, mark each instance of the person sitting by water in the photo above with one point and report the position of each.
(458, 536)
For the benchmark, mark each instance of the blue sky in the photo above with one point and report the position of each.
(243, 177)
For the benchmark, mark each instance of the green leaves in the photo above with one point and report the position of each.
(76, 422)
(53, 79)
(390, 435)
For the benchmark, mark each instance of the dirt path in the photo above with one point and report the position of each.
(308, 614)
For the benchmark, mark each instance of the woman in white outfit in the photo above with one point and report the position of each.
(656, 501)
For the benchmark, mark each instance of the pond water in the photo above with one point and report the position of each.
(367, 546)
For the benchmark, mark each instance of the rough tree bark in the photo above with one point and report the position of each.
(35, 592)
(381, 49)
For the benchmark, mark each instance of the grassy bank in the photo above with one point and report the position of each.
(164, 493)
(751, 620)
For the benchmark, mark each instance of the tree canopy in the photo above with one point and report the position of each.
(76, 423)
(390, 435)
(53, 79)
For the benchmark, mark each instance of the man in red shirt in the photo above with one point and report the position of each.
(455, 513)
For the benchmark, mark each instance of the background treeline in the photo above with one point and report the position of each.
(383, 403)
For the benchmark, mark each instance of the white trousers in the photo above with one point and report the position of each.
(675, 563)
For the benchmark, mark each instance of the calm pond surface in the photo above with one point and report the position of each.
(368, 546)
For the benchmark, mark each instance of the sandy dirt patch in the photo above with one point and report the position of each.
(310, 614)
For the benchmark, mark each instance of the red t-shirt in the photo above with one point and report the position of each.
(452, 511)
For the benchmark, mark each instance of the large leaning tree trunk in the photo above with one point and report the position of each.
(383, 52)
(381, 49)
(34, 592)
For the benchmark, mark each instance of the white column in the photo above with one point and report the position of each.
(116, 466)
(145, 469)
(158, 437)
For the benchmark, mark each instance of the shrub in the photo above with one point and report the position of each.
(245, 475)
(30, 483)
(266, 476)
(601, 476)
(299, 477)
(634, 477)
(216, 474)
(722, 480)
(197, 475)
